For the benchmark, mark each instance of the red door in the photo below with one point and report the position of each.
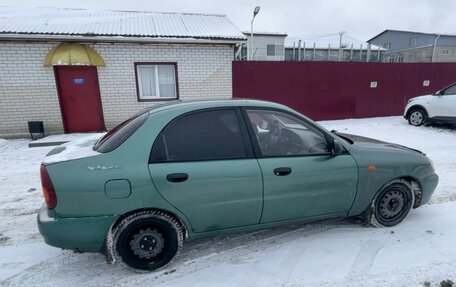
(80, 101)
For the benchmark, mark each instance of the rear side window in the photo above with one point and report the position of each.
(120, 133)
(206, 135)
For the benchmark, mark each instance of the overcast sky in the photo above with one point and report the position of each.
(361, 19)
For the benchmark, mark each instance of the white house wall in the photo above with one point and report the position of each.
(28, 90)
(260, 44)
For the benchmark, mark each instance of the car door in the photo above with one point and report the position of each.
(443, 106)
(203, 164)
(301, 178)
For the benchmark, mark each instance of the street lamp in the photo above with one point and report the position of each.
(255, 12)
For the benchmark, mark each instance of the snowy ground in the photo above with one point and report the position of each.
(330, 253)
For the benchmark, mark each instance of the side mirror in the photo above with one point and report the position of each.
(439, 93)
(330, 144)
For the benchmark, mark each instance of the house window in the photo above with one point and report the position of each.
(156, 81)
(446, 51)
(270, 50)
(412, 41)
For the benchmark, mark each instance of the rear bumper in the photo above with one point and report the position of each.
(80, 233)
(428, 186)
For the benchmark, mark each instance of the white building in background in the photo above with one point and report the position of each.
(267, 46)
(80, 70)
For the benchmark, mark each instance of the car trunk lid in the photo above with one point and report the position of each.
(76, 149)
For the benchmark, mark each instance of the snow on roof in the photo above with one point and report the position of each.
(322, 41)
(62, 21)
(265, 33)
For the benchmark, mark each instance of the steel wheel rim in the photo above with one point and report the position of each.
(147, 243)
(416, 118)
(391, 205)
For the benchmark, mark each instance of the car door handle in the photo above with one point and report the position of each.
(177, 177)
(281, 171)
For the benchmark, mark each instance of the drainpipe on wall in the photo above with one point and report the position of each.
(433, 50)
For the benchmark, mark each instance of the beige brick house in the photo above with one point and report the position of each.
(81, 70)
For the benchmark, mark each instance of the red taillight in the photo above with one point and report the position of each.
(48, 188)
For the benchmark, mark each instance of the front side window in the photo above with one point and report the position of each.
(156, 81)
(280, 134)
(206, 135)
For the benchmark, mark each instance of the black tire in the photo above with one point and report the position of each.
(417, 117)
(147, 240)
(392, 204)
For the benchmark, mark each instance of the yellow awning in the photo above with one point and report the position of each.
(73, 54)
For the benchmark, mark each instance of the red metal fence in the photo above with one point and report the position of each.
(336, 90)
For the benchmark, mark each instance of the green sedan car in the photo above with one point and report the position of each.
(185, 170)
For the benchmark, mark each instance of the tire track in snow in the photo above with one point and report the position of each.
(366, 256)
(286, 258)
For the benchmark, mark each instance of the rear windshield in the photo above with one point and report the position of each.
(120, 133)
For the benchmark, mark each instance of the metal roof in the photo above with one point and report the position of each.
(271, 34)
(78, 22)
(412, 32)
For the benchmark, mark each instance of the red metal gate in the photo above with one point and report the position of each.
(337, 90)
(79, 96)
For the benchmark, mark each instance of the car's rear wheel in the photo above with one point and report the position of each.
(147, 240)
(417, 117)
(392, 204)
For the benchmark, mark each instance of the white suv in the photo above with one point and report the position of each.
(439, 107)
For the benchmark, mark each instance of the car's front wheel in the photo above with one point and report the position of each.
(392, 204)
(147, 240)
(417, 117)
